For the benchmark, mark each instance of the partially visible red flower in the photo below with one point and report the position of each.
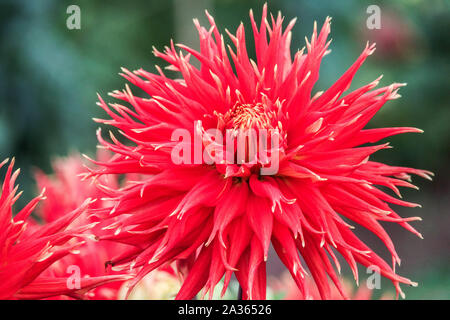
(216, 219)
(66, 191)
(28, 250)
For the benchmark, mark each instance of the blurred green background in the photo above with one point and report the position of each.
(49, 77)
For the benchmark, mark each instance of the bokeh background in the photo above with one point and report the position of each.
(49, 77)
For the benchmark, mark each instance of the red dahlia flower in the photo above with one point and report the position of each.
(66, 191)
(216, 218)
(28, 250)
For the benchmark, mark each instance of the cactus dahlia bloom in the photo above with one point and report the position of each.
(28, 250)
(218, 218)
(65, 191)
